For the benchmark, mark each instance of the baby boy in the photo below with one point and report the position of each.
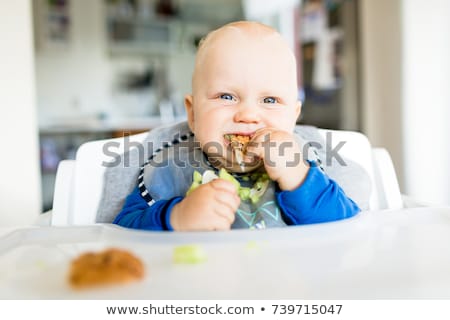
(244, 87)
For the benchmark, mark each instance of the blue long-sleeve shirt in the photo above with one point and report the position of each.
(317, 199)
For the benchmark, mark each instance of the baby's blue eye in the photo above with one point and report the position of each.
(226, 96)
(270, 100)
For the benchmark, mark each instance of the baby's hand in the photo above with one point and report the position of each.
(211, 206)
(281, 155)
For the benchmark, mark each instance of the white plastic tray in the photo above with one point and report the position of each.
(388, 254)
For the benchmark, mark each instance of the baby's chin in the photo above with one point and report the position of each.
(232, 166)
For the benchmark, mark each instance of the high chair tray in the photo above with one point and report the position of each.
(375, 255)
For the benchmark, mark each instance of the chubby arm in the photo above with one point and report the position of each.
(317, 199)
(137, 214)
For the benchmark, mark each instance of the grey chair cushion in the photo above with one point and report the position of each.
(350, 176)
(120, 180)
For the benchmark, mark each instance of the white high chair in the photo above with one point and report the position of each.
(79, 182)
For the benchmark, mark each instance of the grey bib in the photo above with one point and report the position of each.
(169, 173)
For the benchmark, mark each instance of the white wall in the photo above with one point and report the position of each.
(381, 63)
(426, 97)
(20, 195)
(406, 100)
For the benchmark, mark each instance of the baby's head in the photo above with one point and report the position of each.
(245, 79)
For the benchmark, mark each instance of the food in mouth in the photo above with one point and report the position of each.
(239, 145)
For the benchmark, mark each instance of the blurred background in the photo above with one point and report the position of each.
(74, 71)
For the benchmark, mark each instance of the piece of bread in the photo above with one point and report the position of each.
(239, 144)
(239, 140)
(111, 266)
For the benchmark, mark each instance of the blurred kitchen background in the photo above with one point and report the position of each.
(75, 71)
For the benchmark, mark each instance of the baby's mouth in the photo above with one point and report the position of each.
(238, 140)
(238, 143)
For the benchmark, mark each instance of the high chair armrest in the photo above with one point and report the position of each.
(411, 202)
(62, 205)
(386, 180)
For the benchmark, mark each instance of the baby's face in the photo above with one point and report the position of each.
(241, 84)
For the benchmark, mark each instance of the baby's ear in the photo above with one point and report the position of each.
(189, 105)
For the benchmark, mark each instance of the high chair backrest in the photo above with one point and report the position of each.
(79, 182)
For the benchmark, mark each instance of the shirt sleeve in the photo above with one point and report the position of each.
(317, 199)
(137, 214)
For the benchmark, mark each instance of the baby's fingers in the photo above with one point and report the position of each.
(258, 144)
(261, 135)
(221, 224)
(223, 185)
(227, 205)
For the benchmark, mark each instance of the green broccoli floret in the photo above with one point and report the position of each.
(196, 182)
(197, 177)
(244, 193)
(223, 174)
(253, 194)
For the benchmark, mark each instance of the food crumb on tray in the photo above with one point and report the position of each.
(110, 266)
(189, 254)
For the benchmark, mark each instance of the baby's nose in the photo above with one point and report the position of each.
(247, 113)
